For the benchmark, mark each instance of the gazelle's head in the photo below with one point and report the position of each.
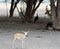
(26, 33)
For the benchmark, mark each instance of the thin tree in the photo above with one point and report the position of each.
(6, 7)
(13, 6)
(53, 12)
(58, 15)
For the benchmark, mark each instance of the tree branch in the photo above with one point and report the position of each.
(16, 3)
(38, 4)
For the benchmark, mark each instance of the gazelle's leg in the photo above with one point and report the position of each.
(22, 43)
(13, 44)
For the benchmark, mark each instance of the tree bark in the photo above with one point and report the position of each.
(53, 12)
(11, 13)
(13, 6)
(30, 10)
(28, 16)
(58, 15)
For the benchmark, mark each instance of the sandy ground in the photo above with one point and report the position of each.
(37, 38)
(16, 24)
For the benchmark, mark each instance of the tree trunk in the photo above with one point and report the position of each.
(28, 15)
(13, 6)
(11, 12)
(53, 12)
(30, 10)
(58, 14)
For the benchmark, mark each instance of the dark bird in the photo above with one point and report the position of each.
(50, 24)
(36, 19)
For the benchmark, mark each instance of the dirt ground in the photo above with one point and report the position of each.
(38, 38)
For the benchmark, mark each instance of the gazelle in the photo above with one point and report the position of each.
(20, 36)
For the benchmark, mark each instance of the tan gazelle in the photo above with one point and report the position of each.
(20, 36)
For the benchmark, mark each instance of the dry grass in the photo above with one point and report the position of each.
(15, 23)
